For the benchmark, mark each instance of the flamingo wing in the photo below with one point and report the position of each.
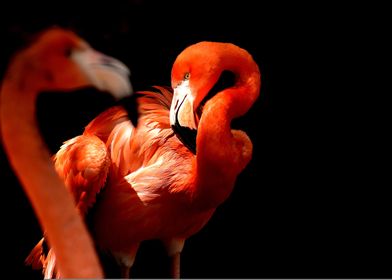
(83, 163)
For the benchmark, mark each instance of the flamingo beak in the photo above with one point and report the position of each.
(182, 117)
(181, 111)
(104, 72)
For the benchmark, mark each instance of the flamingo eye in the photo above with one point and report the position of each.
(187, 76)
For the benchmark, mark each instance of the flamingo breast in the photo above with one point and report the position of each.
(151, 199)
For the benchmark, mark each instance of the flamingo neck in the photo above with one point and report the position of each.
(222, 153)
(22, 140)
(54, 206)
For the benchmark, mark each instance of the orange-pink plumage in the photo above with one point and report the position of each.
(164, 179)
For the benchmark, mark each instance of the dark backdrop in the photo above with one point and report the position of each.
(308, 204)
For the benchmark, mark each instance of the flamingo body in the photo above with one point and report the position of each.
(146, 193)
(152, 196)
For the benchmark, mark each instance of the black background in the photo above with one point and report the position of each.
(310, 204)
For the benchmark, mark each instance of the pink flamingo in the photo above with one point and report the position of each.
(57, 60)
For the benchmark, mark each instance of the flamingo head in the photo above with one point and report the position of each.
(200, 73)
(60, 60)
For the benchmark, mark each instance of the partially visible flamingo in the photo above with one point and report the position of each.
(57, 60)
(165, 177)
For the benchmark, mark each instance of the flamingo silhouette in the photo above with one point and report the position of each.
(57, 60)
(164, 178)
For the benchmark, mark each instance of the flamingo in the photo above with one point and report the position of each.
(164, 178)
(57, 60)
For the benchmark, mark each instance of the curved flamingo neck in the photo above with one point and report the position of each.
(52, 203)
(222, 153)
